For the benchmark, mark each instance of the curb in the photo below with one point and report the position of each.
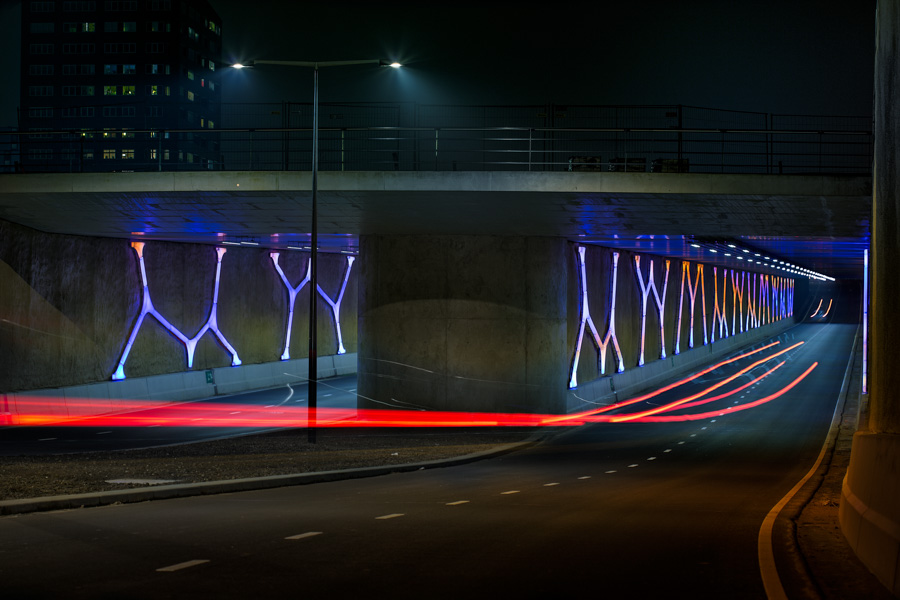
(184, 490)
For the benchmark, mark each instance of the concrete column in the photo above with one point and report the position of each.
(870, 502)
(463, 323)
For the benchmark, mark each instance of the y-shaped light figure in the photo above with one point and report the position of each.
(692, 294)
(720, 318)
(292, 297)
(586, 318)
(660, 305)
(336, 304)
(737, 301)
(190, 344)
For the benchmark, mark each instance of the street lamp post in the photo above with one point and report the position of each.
(314, 235)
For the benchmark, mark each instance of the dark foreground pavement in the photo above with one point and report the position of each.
(821, 564)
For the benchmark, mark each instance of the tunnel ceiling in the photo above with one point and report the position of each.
(821, 223)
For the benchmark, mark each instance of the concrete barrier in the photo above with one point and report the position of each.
(121, 396)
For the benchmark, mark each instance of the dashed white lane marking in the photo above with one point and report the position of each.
(608, 472)
(652, 458)
(713, 421)
(679, 443)
(457, 502)
(237, 412)
(693, 435)
(702, 428)
(103, 432)
(551, 484)
(269, 406)
(46, 439)
(326, 395)
(196, 419)
(301, 536)
(509, 492)
(667, 450)
(585, 477)
(184, 565)
(390, 516)
(632, 466)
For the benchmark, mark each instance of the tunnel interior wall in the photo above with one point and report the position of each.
(727, 304)
(68, 305)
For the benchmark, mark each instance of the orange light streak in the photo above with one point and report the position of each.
(731, 409)
(714, 387)
(668, 387)
(732, 392)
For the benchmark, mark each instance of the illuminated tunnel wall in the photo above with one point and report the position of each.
(69, 306)
(640, 288)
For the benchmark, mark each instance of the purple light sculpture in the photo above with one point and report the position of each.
(190, 344)
(292, 297)
(660, 305)
(586, 319)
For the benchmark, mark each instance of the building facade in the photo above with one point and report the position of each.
(120, 85)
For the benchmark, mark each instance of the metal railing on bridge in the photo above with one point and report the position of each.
(367, 137)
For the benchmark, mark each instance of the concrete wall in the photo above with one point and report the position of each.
(470, 323)
(68, 305)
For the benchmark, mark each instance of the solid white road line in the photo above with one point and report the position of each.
(301, 536)
(390, 516)
(184, 565)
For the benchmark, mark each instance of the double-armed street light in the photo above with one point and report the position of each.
(314, 241)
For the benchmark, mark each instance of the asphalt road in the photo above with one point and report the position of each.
(618, 510)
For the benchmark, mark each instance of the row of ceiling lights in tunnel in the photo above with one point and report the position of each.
(737, 252)
(275, 244)
(726, 249)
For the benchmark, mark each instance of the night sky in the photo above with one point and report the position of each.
(806, 57)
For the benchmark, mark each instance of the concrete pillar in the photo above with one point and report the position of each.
(463, 323)
(870, 502)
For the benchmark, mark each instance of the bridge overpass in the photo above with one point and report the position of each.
(490, 290)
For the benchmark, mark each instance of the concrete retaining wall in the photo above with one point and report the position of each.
(68, 305)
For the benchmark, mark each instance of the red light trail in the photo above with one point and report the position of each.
(46, 411)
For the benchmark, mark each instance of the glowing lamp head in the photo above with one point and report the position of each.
(393, 65)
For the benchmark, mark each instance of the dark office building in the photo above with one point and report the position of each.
(106, 84)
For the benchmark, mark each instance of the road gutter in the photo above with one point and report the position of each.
(765, 548)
